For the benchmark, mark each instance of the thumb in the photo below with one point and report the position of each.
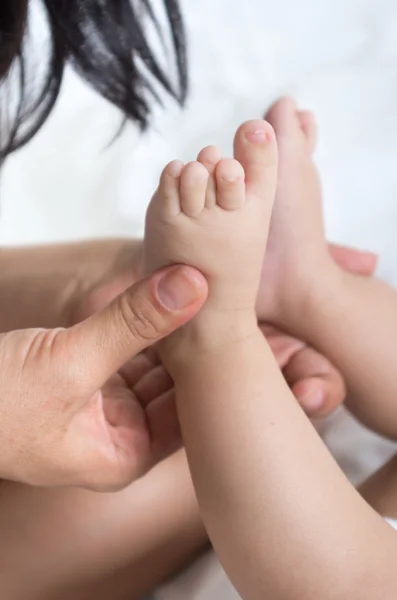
(145, 313)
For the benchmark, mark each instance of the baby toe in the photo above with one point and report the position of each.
(210, 157)
(168, 191)
(255, 148)
(230, 184)
(193, 188)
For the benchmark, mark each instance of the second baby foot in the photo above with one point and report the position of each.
(296, 245)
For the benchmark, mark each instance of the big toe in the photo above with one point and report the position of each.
(308, 125)
(294, 128)
(283, 116)
(255, 148)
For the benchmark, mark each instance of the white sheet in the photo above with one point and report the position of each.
(338, 57)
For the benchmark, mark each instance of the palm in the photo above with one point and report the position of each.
(138, 408)
(137, 405)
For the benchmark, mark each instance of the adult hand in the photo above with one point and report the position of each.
(65, 281)
(68, 412)
(68, 283)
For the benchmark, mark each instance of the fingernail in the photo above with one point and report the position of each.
(260, 135)
(179, 288)
(357, 261)
(313, 401)
(371, 256)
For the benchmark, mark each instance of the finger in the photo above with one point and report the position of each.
(268, 329)
(107, 444)
(153, 355)
(282, 345)
(316, 383)
(163, 424)
(354, 261)
(153, 385)
(310, 395)
(141, 316)
(136, 368)
(318, 396)
(101, 297)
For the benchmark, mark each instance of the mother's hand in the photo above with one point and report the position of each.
(68, 411)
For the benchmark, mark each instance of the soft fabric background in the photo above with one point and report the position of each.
(338, 57)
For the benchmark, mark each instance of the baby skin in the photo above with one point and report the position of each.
(214, 213)
(283, 519)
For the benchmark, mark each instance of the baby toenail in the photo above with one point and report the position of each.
(230, 177)
(198, 174)
(174, 169)
(257, 136)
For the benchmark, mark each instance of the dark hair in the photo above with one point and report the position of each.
(106, 41)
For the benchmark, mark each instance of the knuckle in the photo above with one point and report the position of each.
(111, 478)
(141, 319)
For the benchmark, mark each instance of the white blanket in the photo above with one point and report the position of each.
(338, 57)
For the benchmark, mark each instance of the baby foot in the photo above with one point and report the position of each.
(213, 214)
(296, 245)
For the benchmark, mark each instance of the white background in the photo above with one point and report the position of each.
(338, 57)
